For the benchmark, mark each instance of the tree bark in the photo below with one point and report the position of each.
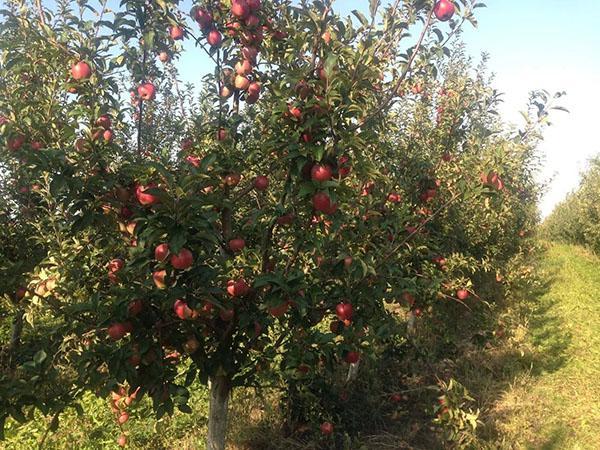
(220, 388)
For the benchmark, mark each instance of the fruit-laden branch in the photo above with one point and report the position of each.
(418, 229)
(458, 27)
(394, 92)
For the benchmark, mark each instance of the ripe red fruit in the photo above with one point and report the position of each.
(237, 288)
(146, 91)
(204, 18)
(182, 310)
(252, 21)
(295, 112)
(159, 279)
(122, 440)
(191, 345)
(393, 197)
(352, 357)
(344, 311)
(36, 145)
(135, 307)
(462, 294)
(408, 298)
(232, 179)
(115, 265)
(254, 88)
(444, 10)
(280, 310)
(326, 428)
(161, 252)
(241, 82)
(123, 418)
(261, 183)
(221, 134)
(104, 121)
(237, 245)
(182, 260)
(107, 135)
(214, 37)
(322, 202)
(176, 32)
(145, 198)
(163, 57)
(81, 70)
(239, 8)
(20, 293)
(286, 219)
(396, 398)
(117, 331)
(253, 4)
(16, 142)
(321, 172)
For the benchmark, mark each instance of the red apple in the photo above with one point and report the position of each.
(326, 428)
(250, 53)
(159, 279)
(122, 440)
(295, 112)
(221, 134)
(117, 331)
(204, 18)
(107, 135)
(322, 202)
(241, 82)
(146, 91)
(252, 21)
(321, 172)
(444, 10)
(344, 311)
(161, 252)
(16, 142)
(115, 265)
(37, 145)
(393, 197)
(214, 37)
(104, 121)
(163, 57)
(191, 345)
(182, 310)
(462, 294)
(239, 8)
(81, 70)
(352, 357)
(145, 198)
(226, 314)
(254, 88)
(176, 32)
(182, 260)
(237, 288)
(261, 183)
(237, 245)
(280, 310)
(253, 4)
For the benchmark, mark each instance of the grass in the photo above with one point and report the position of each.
(545, 392)
(537, 387)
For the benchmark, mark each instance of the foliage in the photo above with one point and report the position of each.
(153, 254)
(576, 219)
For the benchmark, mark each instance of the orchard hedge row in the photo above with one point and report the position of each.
(335, 182)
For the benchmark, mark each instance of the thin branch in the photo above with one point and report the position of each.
(397, 86)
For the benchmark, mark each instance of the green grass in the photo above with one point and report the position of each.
(547, 394)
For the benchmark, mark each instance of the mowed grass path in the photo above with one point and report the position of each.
(556, 404)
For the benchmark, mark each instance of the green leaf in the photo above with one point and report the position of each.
(39, 357)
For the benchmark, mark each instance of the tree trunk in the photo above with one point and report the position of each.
(217, 413)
